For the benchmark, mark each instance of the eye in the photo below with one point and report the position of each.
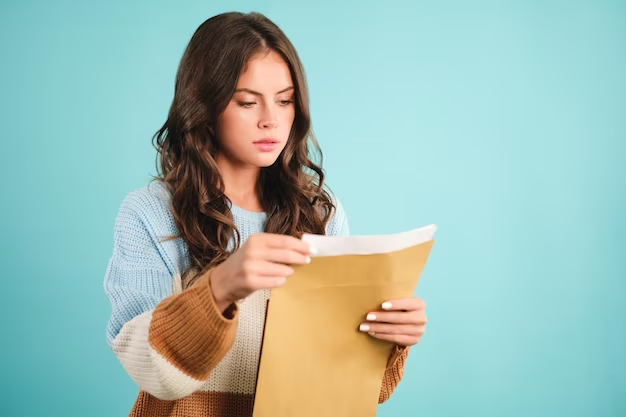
(247, 104)
(285, 102)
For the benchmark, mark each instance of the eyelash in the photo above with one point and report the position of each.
(248, 104)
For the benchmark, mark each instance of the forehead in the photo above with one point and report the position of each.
(266, 72)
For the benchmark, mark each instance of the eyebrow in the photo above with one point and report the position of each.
(256, 93)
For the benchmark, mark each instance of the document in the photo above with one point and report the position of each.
(314, 360)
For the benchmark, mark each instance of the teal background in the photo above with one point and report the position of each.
(503, 122)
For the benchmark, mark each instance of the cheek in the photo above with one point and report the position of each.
(288, 118)
(235, 118)
(234, 124)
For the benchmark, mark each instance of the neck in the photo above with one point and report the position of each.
(240, 184)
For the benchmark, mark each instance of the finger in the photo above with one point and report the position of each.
(406, 329)
(277, 241)
(286, 256)
(272, 282)
(401, 340)
(407, 304)
(400, 317)
(268, 269)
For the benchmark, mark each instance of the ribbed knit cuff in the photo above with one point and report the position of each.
(397, 353)
(393, 373)
(190, 332)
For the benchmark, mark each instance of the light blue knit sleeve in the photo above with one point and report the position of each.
(338, 223)
(167, 339)
(137, 277)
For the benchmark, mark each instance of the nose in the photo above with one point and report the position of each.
(268, 120)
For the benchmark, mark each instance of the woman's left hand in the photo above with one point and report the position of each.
(402, 322)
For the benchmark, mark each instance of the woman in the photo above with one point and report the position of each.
(197, 252)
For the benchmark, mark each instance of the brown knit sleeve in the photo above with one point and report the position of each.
(394, 372)
(190, 332)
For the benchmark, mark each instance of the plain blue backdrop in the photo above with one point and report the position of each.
(503, 122)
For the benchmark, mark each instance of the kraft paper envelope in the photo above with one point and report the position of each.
(314, 360)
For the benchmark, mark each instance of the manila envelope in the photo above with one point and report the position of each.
(314, 360)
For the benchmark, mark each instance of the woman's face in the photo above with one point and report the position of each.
(254, 128)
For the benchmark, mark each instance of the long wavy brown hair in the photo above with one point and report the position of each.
(291, 191)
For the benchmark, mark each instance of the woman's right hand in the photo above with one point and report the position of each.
(262, 262)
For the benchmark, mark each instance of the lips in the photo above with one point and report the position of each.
(266, 144)
(266, 141)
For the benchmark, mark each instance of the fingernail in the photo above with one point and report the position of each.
(313, 250)
(386, 305)
(364, 327)
(308, 259)
(371, 317)
(371, 333)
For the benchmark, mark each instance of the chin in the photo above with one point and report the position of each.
(266, 161)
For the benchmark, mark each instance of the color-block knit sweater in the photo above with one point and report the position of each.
(187, 358)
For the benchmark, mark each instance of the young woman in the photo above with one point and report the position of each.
(197, 252)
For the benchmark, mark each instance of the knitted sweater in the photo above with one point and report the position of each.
(187, 358)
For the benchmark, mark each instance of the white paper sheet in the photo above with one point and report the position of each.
(368, 245)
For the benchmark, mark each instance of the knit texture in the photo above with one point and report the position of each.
(186, 357)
